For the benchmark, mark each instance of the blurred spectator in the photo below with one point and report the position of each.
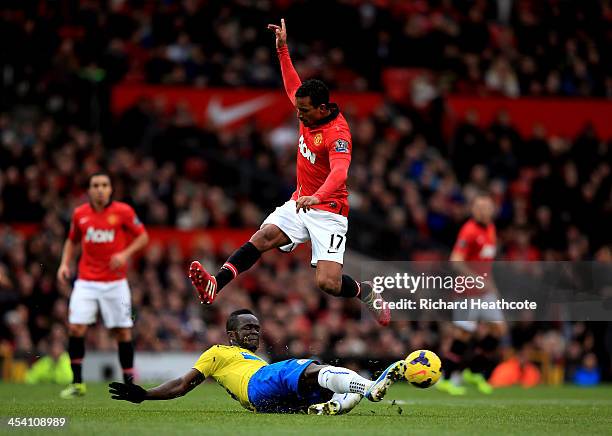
(515, 371)
(500, 77)
(53, 368)
(588, 374)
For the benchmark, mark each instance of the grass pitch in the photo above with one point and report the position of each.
(209, 410)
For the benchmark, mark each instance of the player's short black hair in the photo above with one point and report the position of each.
(316, 90)
(232, 320)
(99, 173)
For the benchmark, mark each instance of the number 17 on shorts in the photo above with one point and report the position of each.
(335, 242)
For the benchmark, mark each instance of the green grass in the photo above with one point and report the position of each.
(209, 410)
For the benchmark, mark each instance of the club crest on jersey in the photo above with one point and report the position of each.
(318, 138)
(305, 151)
(341, 146)
(99, 236)
(112, 219)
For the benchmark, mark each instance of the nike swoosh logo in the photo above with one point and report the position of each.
(83, 220)
(421, 372)
(222, 116)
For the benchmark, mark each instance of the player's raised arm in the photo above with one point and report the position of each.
(290, 76)
(166, 391)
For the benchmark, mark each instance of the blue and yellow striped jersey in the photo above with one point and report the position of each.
(232, 367)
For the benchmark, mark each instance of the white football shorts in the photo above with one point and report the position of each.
(113, 298)
(326, 231)
(467, 319)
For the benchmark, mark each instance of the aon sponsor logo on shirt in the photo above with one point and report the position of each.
(305, 151)
(99, 236)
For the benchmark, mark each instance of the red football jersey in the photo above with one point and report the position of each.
(317, 146)
(103, 234)
(476, 243)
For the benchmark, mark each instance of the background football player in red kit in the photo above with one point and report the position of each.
(318, 209)
(101, 228)
(475, 249)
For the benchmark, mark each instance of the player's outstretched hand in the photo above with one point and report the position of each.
(305, 202)
(280, 32)
(127, 391)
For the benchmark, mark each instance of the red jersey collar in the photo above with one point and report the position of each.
(106, 206)
(479, 224)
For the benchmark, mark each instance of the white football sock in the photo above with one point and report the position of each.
(347, 401)
(343, 380)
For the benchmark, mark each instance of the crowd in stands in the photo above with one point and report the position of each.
(409, 188)
(505, 47)
(406, 195)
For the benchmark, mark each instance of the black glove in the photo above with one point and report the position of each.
(127, 391)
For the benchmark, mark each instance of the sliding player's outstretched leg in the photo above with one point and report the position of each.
(393, 373)
(343, 380)
(208, 285)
